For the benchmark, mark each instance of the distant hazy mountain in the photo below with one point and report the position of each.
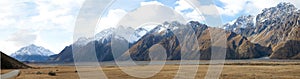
(32, 53)
(8, 62)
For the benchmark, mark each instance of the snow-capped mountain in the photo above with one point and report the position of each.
(270, 18)
(275, 27)
(243, 25)
(103, 36)
(82, 41)
(276, 16)
(126, 33)
(273, 16)
(142, 31)
(102, 40)
(32, 53)
(166, 26)
(240, 22)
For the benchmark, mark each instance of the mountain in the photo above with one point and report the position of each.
(274, 33)
(8, 62)
(274, 24)
(163, 35)
(276, 27)
(238, 47)
(244, 25)
(132, 35)
(288, 49)
(32, 53)
(102, 47)
(103, 41)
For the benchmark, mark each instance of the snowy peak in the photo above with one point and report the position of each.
(141, 32)
(284, 7)
(81, 41)
(276, 13)
(33, 50)
(127, 33)
(244, 21)
(166, 26)
(276, 16)
(270, 18)
(104, 34)
(240, 22)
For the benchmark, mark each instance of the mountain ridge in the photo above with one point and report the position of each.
(274, 28)
(269, 34)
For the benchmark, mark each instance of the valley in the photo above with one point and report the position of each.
(261, 46)
(233, 69)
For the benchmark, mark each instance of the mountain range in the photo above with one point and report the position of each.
(273, 33)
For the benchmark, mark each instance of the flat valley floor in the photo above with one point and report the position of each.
(246, 70)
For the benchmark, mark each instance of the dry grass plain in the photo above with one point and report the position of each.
(258, 70)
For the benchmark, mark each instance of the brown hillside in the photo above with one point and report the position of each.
(8, 62)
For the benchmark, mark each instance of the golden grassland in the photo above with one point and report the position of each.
(253, 70)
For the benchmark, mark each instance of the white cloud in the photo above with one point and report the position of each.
(148, 11)
(211, 10)
(23, 37)
(194, 16)
(111, 20)
(150, 14)
(183, 8)
(19, 16)
(17, 40)
(151, 3)
(182, 5)
(55, 46)
(8, 47)
(233, 7)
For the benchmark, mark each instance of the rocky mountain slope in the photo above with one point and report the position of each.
(238, 47)
(8, 62)
(275, 27)
(101, 46)
(102, 42)
(32, 53)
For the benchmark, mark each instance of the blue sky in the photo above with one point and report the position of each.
(50, 23)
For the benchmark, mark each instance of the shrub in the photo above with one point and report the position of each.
(51, 73)
(38, 72)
